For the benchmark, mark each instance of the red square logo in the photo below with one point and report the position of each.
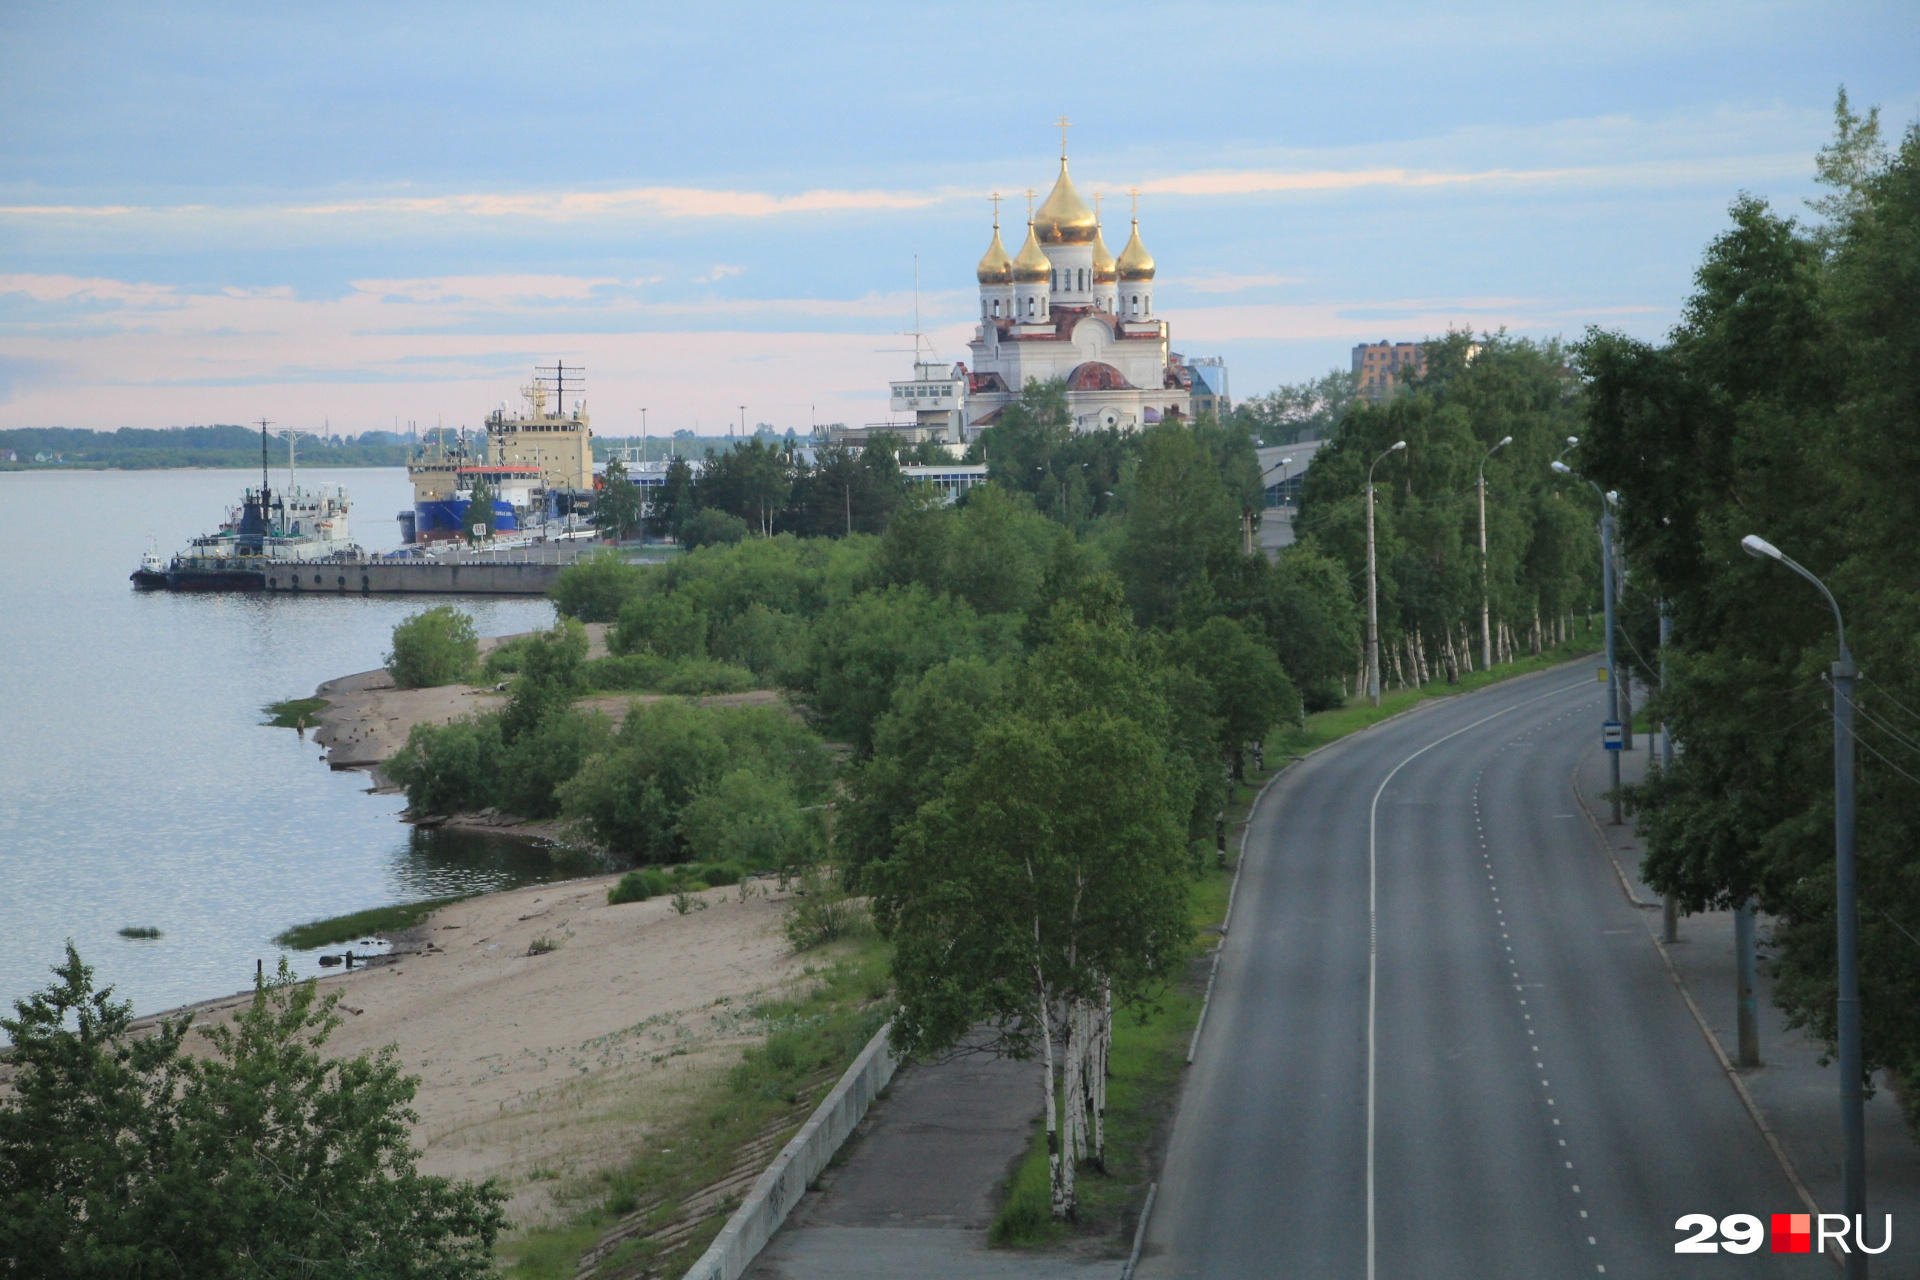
(1792, 1233)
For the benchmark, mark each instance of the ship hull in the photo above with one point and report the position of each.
(438, 518)
(148, 579)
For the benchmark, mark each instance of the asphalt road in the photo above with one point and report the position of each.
(1542, 1103)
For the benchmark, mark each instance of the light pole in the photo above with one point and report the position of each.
(1853, 1163)
(1373, 592)
(1606, 596)
(1486, 628)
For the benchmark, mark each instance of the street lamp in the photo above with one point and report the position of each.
(1373, 592)
(1606, 596)
(1486, 630)
(1853, 1165)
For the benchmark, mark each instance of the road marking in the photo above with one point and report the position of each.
(1373, 947)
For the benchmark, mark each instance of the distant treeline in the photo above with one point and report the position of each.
(145, 448)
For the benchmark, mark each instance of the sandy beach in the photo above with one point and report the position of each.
(537, 1067)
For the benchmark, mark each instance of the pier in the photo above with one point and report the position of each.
(516, 571)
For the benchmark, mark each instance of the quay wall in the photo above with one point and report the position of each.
(413, 577)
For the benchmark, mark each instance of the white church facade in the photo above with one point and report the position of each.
(1063, 308)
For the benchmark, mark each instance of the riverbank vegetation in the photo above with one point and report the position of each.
(146, 449)
(1783, 406)
(122, 1154)
(361, 924)
(433, 647)
(294, 713)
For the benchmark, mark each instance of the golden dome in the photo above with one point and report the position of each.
(1065, 217)
(1105, 271)
(1032, 266)
(1135, 262)
(995, 266)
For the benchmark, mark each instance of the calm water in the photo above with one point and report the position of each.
(137, 784)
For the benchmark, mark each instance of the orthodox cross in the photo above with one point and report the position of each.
(995, 197)
(1065, 124)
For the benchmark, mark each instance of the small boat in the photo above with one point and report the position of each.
(152, 573)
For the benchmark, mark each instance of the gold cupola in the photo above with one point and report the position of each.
(1105, 270)
(995, 266)
(1032, 266)
(1135, 262)
(1065, 217)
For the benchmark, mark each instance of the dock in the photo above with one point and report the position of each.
(516, 571)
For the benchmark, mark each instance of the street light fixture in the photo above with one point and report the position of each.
(1853, 1165)
(1373, 593)
(1606, 594)
(1486, 630)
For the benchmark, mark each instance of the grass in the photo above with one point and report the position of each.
(295, 713)
(139, 931)
(812, 1037)
(362, 924)
(1150, 1048)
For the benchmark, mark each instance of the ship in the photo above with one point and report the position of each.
(298, 524)
(537, 463)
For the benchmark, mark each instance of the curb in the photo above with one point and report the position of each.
(1727, 1068)
(778, 1189)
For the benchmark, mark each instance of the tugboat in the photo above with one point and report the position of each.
(268, 529)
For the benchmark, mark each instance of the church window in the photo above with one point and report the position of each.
(996, 308)
(1030, 307)
(1082, 286)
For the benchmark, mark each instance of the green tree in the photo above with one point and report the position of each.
(433, 647)
(1309, 410)
(1250, 690)
(618, 510)
(752, 819)
(479, 519)
(675, 503)
(1312, 620)
(1181, 524)
(595, 587)
(751, 482)
(121, 1155)
(711, 527)
(550, 678)
(666, 623)
(1783, 405)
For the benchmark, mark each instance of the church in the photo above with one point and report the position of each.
(1064, 307)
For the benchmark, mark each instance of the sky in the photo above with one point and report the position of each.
(357, 216)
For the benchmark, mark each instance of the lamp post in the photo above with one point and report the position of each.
(1486, 628)
(1606, 597)
(1853, 1162)
(1669, 905)
(1373, 592)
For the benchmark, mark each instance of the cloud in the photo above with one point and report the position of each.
(718, 274)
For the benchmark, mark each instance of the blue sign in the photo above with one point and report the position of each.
(1611, 737)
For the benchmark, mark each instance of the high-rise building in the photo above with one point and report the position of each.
(1380, 366)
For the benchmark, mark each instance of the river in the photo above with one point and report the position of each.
(138, 785)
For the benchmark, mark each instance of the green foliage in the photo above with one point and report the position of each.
(1309, 410)
(595, 587)
(479, 514)
(823, 912)
(1250, 690)
(665, 623)
(631, 799)
(433, 647)
(991, 551)
(1181, 525)
(760, 639)
(750, 483)
(1070, 476)
(712, 527)
(688, 677)
(1311, 618)
(362, 924)
(147, 932)
(617, 510)
(121, 1155)
(753, 819)
(534, 765)
(295, 713)
(449, 768)
(861, 650)
(1783, 405)
(549, 679)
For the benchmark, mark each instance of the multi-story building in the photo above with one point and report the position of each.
(1380, 366)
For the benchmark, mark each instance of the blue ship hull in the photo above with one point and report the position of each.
(448, 516)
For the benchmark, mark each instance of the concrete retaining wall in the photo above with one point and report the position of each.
(474, 577)
(797, 1165)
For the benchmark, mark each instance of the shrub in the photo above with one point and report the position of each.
(824, 912)
(761, 639)
(752, 819)
(533, 766)
(449, 768)
(434, 647)
(711, 526)
(631, 887)
(633, 672)
(665, 623)
(139, 931)
(505, 659)
(594, 588)
(692, 677)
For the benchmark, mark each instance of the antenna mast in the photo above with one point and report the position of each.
(264, 424)
(564, 378)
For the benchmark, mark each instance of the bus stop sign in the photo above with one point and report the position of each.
(1610, 735)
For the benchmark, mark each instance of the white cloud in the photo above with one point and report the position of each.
(1227, 282)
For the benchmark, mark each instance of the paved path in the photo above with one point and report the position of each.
(914, 1192)
(1542, 1102)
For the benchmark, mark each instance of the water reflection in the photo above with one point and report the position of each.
(440, 861)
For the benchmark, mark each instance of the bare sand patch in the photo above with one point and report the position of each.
(535, 1068)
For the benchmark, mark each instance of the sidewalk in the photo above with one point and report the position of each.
(913, 1192)
(1799, 1098)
